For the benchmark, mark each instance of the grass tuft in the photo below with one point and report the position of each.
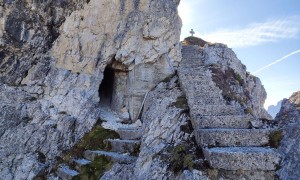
(275, 138)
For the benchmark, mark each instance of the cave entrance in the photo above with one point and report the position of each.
(113, 90)
(107, 86)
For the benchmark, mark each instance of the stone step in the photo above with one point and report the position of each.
(190, 54)
(200, 79)
(228, 121)
(192, 65)
(232, 137)
(65, 172)
(206, 100)
(206, 90)
(242, 158)
(193, 72)
(204, 94)
(187, 53)
(79, 163)
(196, 70)
(113, 156)
(208, 85)
(191, 58)
(185, 47)
(216, 110)
(190, 50)
(130, 133)
(124, 146)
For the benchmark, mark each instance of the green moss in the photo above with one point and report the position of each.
(96, 169)
(238, 78)
(275, 138)
(181, 102)
(181, 159)
(226, 81)
(188, 161)
(94, 140)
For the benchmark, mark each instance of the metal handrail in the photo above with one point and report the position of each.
(142, 105)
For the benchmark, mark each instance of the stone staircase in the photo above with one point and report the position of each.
(222, 131)
(124, 151)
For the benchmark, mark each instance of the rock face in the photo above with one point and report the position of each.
(54, 56)
(289, 120)
(68, 66)
(27, 30)
(237, 85)
(290, 110)
(166, 137)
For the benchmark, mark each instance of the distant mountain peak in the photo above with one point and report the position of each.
(274, 109)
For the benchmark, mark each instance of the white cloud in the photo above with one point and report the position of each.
(257, 33)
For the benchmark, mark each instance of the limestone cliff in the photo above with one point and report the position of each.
(103, 89)
(54, 56)
(289, 111)
(289, 120)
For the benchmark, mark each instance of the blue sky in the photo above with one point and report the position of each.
(261, 32)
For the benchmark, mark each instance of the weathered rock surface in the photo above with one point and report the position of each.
(53, 58)
(289, 120)
(27, 30)
(244, 88)
(290, 110)
(165, 123)
(119, 171)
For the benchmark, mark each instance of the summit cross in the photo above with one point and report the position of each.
(192, 32)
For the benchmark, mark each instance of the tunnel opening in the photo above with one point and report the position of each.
(107, 86)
